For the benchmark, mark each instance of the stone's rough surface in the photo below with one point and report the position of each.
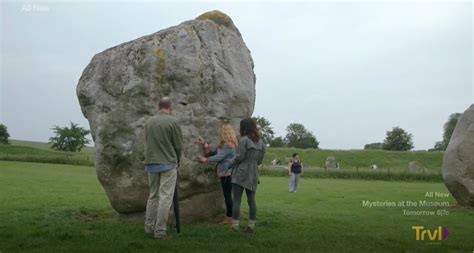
(458, 161)
(413, 167)
(331, 163)
(206, 69)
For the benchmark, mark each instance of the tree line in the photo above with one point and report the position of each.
(296, 135)
(74, 138)
(69, 139)
(399, 139)
(396, 139)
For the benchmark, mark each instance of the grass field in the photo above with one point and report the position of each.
(350, 159)
(314, 159)
(45, 145)
(62, 208)
(41, 152)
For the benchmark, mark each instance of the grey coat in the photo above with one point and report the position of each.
(249, 156)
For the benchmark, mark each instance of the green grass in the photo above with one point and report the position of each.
(33, 144)
(40, 152)
(34, 154)
(350, 159)
(62, 208)
(354, 163)
(45, 145)
(362, 173)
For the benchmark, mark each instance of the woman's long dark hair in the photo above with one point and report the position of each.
(248, 127)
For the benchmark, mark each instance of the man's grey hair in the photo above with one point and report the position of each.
(165, 103)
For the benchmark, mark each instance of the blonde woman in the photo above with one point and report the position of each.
(221, 157)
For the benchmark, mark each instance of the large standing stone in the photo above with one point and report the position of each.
(458, 162)
(206, 69)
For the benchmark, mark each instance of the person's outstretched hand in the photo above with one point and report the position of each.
(201, 159)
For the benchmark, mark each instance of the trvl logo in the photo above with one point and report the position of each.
(438, 234)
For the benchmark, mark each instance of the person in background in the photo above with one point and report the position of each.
(163, 147)
(221, 157)
(274, 162)
(295, 169)
(250, 153)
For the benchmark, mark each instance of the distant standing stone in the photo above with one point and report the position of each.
(458, 161)
(331, 163)
(414, 167)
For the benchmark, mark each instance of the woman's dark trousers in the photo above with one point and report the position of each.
(237, 192)
(227, 190)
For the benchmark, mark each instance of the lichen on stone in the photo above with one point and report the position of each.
(217, 17)
(161, 62)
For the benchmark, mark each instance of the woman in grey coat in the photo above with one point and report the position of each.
(249, 156)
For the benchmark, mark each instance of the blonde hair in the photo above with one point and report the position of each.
(227, 135)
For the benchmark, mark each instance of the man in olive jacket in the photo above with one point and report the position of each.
(163, 147)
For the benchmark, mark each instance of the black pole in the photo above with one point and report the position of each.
(176, 205)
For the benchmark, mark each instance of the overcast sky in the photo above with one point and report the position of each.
(348, 71)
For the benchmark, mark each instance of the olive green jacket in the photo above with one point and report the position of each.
(163, 140)
(249, 156)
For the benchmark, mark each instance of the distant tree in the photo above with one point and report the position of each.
(448, 130)
(375, 145)
(69, 139)
(439, 146)
(299, 137)
(398, 139)
(278, 142)
(265, 128)
(4, 135)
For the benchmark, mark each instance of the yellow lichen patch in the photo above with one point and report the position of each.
(217, 17)
(161, 63)
(160, 53)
